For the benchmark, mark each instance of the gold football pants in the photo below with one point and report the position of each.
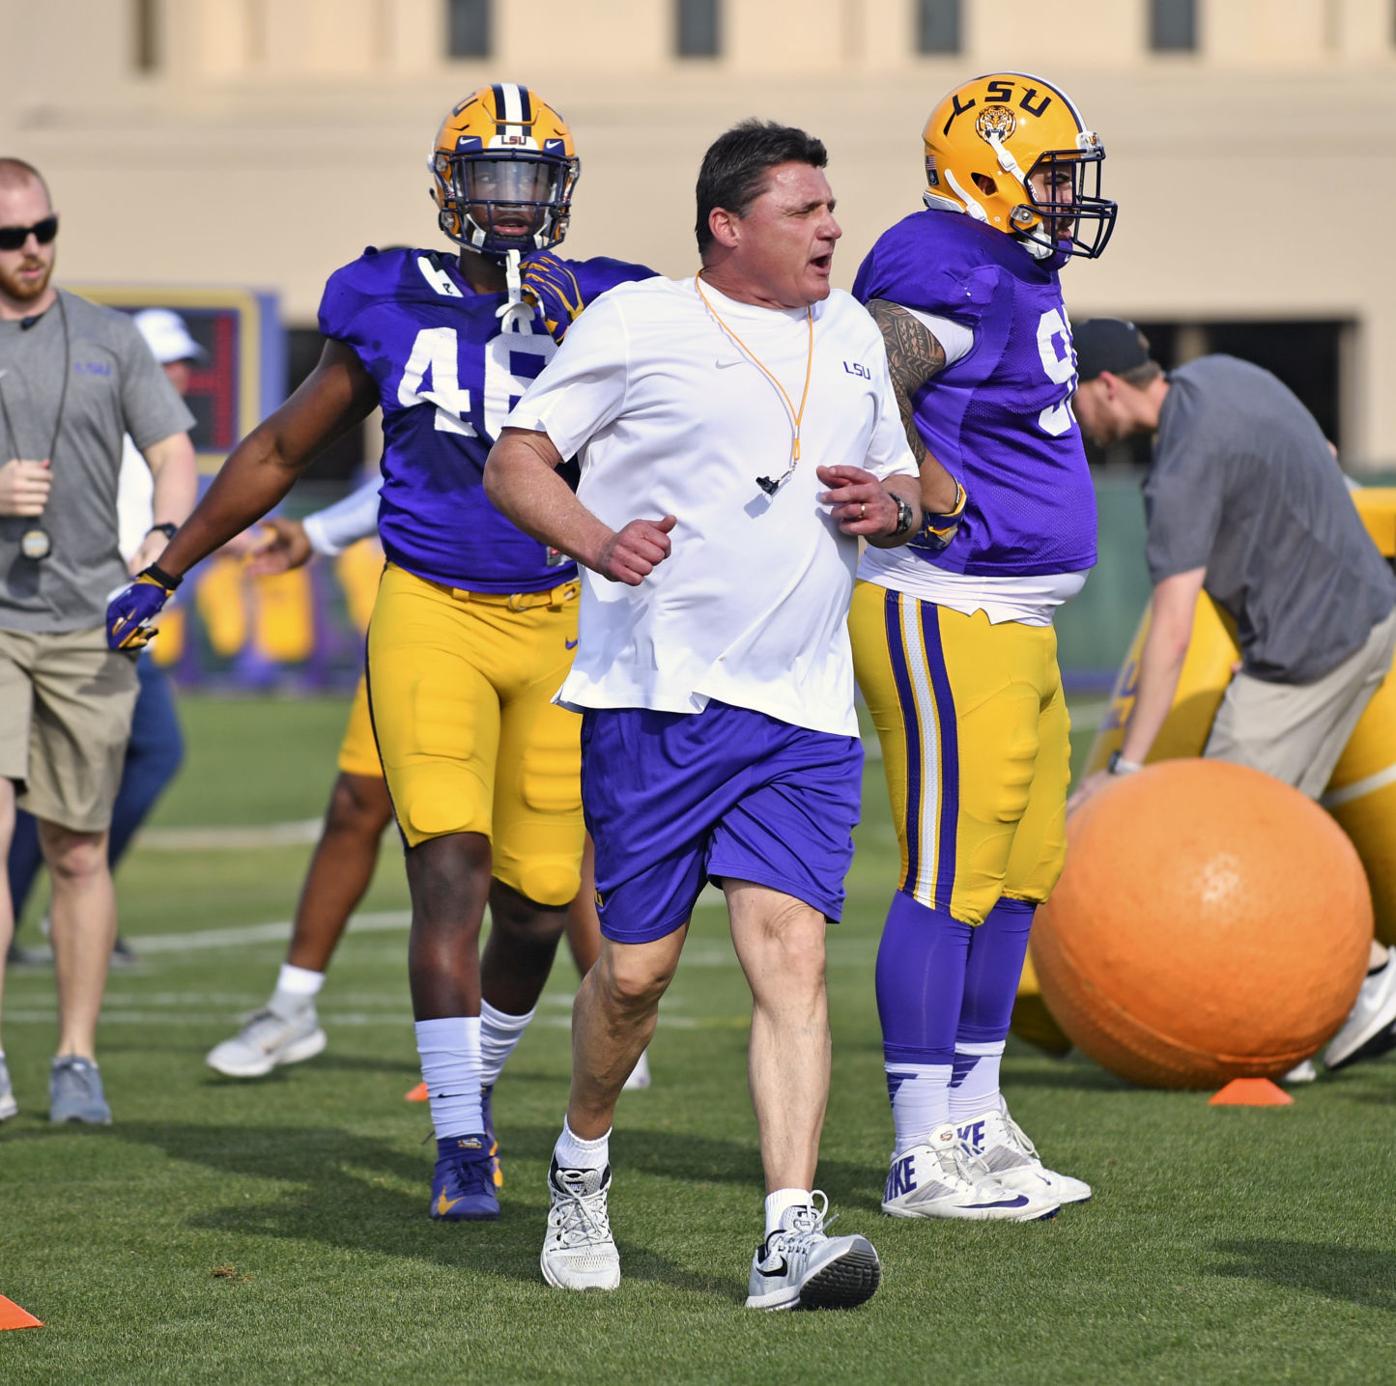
(460, 689)
(975, 745)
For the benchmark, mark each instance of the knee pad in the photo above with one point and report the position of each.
(553, 881)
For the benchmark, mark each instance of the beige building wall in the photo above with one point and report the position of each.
(273, 139)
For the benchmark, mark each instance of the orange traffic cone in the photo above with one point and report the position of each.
(1251, 1092)
(418, 1094)
(12, 1316)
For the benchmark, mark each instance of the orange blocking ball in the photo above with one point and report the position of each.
(1212, 923)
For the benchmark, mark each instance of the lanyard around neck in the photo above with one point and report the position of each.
(796, 415)
(62, 394)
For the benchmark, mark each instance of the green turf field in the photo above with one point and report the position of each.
(277, 1231)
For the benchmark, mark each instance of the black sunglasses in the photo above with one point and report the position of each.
(14, 237)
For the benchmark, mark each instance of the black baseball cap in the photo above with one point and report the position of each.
(1108, 344)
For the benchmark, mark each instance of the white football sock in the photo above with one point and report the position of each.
(572, 1152)
(975, 1086)
(920, 1101)
(778, 1200)
(450, 1053)
(499, 1033)
(299, 981)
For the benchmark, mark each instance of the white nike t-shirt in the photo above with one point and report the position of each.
(668, 416)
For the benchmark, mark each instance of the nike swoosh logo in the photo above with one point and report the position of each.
(782, 1269)
(721, 362)
(572, 644)
(1019, 1202)
(444, 1204)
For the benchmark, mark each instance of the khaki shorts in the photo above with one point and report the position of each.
(65, 718)
(1296, 732)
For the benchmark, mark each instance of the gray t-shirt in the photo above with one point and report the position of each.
(1243, 484)
(114, 388)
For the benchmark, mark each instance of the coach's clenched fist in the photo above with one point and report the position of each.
(632, 553)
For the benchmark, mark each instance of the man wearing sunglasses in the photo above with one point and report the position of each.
(75, 378)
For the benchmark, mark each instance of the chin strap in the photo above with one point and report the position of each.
(516, 312)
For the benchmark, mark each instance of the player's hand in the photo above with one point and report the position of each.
(938, 530)
(858, 501)
(633, 553)
(1088, 788)
(552, 286)
(280, 546)
(24, 487)
(131, 610)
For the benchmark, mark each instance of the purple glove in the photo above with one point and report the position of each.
(131, 610)
(938, 530)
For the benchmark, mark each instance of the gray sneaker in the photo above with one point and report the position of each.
(75, 1092)
(8, 1105)
(269, 1040)
(799, 1267)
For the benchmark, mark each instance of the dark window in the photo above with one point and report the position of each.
(937, 26)
(468, 28)
(1173, 26)
(699, 28)
(146, 17)
(1305, 354)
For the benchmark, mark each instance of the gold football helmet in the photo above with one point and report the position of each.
(1012, 151)
(503, 171)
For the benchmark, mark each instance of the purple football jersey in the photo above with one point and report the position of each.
(447, 377)
(999, 418)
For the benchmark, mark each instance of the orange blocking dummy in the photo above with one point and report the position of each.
(1212, 923)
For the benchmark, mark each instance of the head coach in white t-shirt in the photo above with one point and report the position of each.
(748, 415)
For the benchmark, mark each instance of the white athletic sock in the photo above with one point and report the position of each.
(778, 1200)
(450, 1052)
(920, 1096)
(975, 1085)
(499, 1033)
(299, 982)
(572, 1152)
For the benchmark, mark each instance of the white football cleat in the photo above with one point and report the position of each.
(1305, 1072)
(937, 1180)
(799, 1267)
(579, 1252)
(1370, 1029)
(1001, 1146)
(269, 1040)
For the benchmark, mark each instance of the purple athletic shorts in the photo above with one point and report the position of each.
(675, 799)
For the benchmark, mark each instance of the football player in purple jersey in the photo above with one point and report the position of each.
(475, 622)
(952, 634)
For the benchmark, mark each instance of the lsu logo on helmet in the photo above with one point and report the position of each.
(503, 170)
(1012, 151)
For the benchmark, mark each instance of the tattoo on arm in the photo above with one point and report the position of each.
(914, 355)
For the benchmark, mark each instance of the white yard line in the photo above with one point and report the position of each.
(241, 838)
(382, 921)
(399, 1018)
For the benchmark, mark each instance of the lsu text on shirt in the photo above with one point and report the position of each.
(668, 416)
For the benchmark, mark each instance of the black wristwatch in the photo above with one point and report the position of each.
(168, 529)
(905, 516)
